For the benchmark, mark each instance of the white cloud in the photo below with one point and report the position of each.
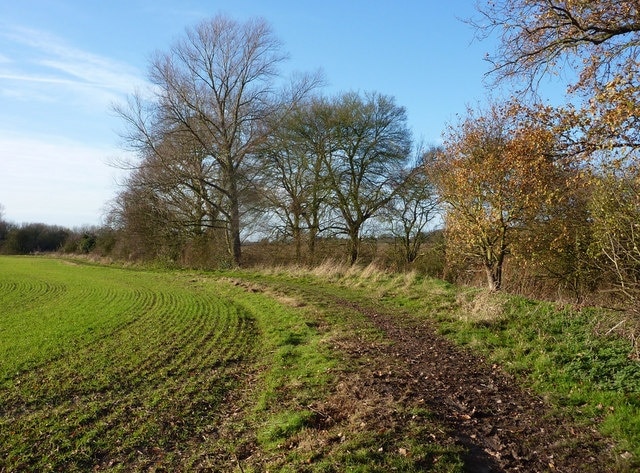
(55, 129)
(33, 78)
(53, 180)
(47, 61)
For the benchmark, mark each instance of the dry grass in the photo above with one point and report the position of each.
(481, 306)
(330, 270)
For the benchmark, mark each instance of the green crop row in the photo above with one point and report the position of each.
(112, 368)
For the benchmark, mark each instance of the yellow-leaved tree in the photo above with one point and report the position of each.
(594, 44)
(499, 178)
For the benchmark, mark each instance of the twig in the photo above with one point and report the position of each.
(615, 327)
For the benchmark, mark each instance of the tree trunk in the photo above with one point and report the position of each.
(311, 244)
(297, 240)
(234, 223)
(493, 270)
(236, 243)
(493, 278)
(354, 248)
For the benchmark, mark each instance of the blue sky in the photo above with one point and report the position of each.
(64, 62)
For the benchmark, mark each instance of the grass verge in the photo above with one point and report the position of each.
(571, 357)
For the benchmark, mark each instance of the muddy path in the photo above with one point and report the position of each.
(500, 426)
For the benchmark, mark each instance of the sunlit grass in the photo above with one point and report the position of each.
(133, 369)
(566, 355)
(127, 369)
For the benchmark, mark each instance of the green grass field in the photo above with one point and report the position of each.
(99, 364)
(113, 369)
(129, 369)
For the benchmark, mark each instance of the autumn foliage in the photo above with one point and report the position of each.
(498, 176)
(595, 45)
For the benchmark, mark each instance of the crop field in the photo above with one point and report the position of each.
(114, 369)
(125, 369)
(101, 365)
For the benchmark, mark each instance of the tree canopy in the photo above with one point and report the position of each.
(595, 44)
(497, 175)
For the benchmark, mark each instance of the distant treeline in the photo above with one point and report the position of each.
(32, 238)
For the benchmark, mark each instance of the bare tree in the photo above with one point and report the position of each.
(372, 144)
(148, 225)
(295, 175)
(413, 206)
(212, 92)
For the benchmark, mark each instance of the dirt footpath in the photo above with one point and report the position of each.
(500, 425)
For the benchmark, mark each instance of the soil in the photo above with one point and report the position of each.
(501, 426)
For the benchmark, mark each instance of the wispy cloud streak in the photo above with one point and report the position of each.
(49, 61)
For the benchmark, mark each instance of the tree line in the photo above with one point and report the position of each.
(532, 197)
(227, 151)
(551, 192)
